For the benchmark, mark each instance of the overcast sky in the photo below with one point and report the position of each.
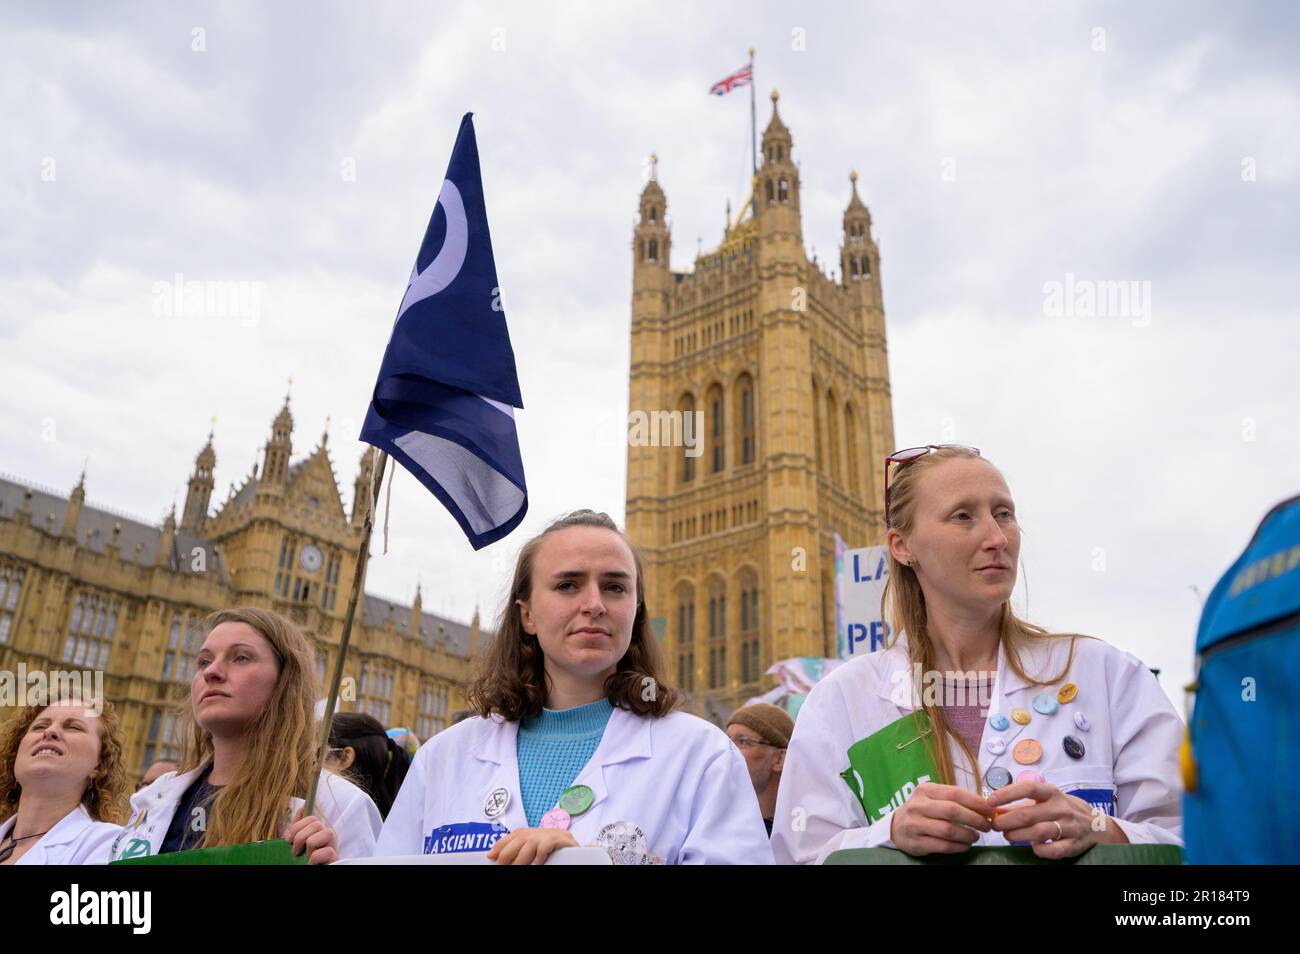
(1001, 147)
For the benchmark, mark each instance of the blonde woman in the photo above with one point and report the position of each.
(250, 752)
(974, 726)
(64, 788)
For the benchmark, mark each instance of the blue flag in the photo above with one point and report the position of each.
(443, 403)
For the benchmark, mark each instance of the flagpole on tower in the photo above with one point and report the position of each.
(358, 577)
(753, 138)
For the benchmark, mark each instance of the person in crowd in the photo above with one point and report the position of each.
(762, 731)
(578, 740)
(365, 754)
(974, 726)
(64, 787)
(250, 751)
(156, 771)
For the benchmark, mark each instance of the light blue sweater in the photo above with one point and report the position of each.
(552, 749)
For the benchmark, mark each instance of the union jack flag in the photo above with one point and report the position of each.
(742, 77)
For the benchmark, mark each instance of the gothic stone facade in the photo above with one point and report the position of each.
(788, 367)
(85, 588)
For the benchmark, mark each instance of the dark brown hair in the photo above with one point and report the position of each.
(511, 681)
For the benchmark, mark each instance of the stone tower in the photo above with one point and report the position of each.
(768, 381)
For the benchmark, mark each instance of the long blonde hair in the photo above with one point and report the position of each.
(280, 757)
(903, 607)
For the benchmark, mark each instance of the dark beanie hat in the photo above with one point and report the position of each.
(772, 723)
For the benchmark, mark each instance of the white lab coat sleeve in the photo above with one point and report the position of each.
(1146, 735)
(403, 832)
(354, 816)
(816, 811)
(726, 825)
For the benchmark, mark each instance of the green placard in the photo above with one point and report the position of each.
(885, 767)
(1097, 855)
(274, 852)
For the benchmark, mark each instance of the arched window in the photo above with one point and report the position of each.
(745, 418)
(769, 191)
(817, 424)
(780, 152)
(717, 634)
(783, 190)
(717, 432)
(691, 431)
(750, 666)
(851, 450)
(686, 637)
(654, 250)
(866, 266)
(833, 436)
(853, 265)
(654, 215)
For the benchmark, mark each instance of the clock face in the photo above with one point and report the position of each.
(311, 558)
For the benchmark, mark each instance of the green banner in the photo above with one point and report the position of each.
(887, 766)
(274, 852)
(1096, 855)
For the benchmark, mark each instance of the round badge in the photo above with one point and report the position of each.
(1029, 775)
(1073, 747)
(999, 722)
(1027, 751)
(625, 843)
(496, 802)
(997, 746)
(1067, 693)
(997, 777)
(1081, 720)
(556, 818)
(576, 799)
(1020, 716)
(1045, 704)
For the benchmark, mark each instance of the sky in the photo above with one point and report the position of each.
(1016, 158)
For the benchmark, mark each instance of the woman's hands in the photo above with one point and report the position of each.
(530, 846)
(319, 840)
(939, 819)
(1072, 825)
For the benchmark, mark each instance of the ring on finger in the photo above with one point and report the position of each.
(1060, 832)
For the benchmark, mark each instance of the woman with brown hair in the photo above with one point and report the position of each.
(63, 783)
(249, 754)
(974, 726)
(577, 741)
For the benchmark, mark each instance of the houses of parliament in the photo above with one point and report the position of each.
(83, 588)
(788, 367)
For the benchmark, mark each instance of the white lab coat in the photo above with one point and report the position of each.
(340, 804)
(677, 778)
(77, 839)
(1131, 745)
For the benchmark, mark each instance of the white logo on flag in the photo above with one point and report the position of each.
(446, 265)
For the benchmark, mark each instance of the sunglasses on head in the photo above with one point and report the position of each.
(906, 456)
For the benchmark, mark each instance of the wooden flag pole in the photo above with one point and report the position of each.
(358, 577)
